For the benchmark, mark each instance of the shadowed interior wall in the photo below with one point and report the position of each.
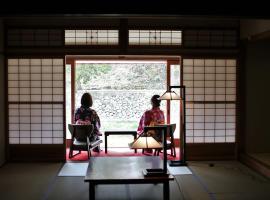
(2, 97)
(257, 96)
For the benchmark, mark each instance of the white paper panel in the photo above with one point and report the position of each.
(46, 62)
(58, 62)
(231, 70)
(58, 134)
(210, 91)
(24, 62)
(198, 91)
(35, 61)
(24, 90)
(198, 125)
(47, 119)
(58, 77)
(189, 119)
(209, 126)
(58, 120)
(220, 77)
(13, 69)
(35, 140)
(14, 140)
(13, 90)
(230, 126)
(12, 77)
(210, 70)
(24, 140)
(14, 127)
(35, 69)
(47, 77)
(188, 69)
(47, 134)
(24, 127)
(58, 98)
(47, 98)
(13, 119)
(189, 97)
(13, 62)
(230, 112)
(35, 127)
(198, 62)
(24, 119)
(198, 118)
(58, 84)
(24, 111)
(231, 84)
(231, 77)
(189, 125)
(210, 112)
(230, 132)
(36, 134)
(219, 139)
(24, 133)
(220, 118)
(209, 139)
(199, 69)
(46, 140)
(209, 132)
(209, 62)
(24, 69)
(188, 76)
(46, 111)
(46, 127)
(57, 140)
(198, 111)
(198, 97)
(13, 83)
(58, 127)
(46, 90)
(220, 98)
(24, 76)
(14, 133)
(58, 91)
(210, 77)
(220, 83)
(198, 83)
(35, 77)
(198, 77)
(198, 139)
(230, 119)
(209, 118)
(189, 139)
(230, 139)
(57, 112)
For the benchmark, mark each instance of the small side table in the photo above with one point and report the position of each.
(107, 133)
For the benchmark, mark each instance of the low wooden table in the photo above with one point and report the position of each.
(124, 170)
(116, 132)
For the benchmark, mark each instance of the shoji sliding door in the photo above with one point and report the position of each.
(35, 99)
(211, 100)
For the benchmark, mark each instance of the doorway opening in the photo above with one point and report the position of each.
(121, 90)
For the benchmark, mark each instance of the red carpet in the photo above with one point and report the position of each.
(114, 152)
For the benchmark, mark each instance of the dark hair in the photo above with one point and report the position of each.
(155, 101)
(87, 100)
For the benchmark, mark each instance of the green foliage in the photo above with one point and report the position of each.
(87, 73)
(123, 76)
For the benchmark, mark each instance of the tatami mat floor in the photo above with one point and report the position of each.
(225, 180)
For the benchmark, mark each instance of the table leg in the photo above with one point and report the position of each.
(106, 143)
(91, 191)
(166, 190)
(135, 136)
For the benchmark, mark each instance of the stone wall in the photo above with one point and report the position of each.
(120, 104)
